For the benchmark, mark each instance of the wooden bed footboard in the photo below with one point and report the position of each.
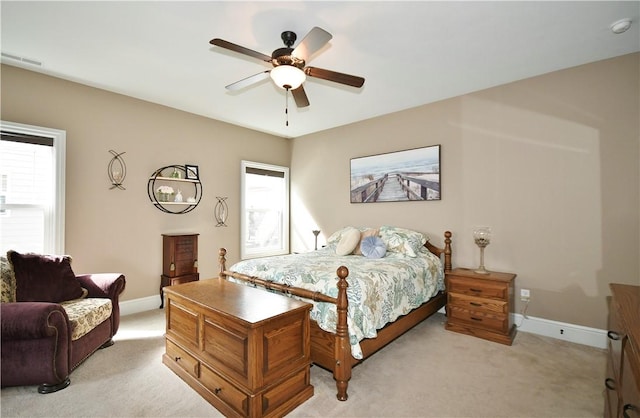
(342, 366)
(333, 351)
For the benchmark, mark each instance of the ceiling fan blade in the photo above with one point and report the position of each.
(300, 96)
(246, 82)
(242, 50)
(312, 42)
(349, 80)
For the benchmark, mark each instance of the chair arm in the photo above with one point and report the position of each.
(103, 285)
(32, 320)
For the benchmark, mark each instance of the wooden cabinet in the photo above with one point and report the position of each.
(179, 260)
(481, 304)
(245, 350)
(622, 393)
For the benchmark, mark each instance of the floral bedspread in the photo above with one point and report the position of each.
(380, 290)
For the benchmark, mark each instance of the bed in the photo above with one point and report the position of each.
(384, 292)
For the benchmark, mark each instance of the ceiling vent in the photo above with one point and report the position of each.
(21, 59)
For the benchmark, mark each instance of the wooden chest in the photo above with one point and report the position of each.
(481, 304)
(245, 350)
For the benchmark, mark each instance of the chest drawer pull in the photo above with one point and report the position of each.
(475, 304)
(177, 358)
(217, 390)
(613, 335)
(476, 319)
(629, 407)
(610, 383)
(475, 290)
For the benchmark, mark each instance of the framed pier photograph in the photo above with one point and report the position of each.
(400, 176)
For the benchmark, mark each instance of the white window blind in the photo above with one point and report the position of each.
(31, 188)
(264, 210)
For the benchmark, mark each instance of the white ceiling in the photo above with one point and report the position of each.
(410, 53)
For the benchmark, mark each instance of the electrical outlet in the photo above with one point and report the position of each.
(525, 295)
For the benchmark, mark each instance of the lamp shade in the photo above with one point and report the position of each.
(288, 76)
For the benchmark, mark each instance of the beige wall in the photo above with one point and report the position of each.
(120, 230)
(550, 163)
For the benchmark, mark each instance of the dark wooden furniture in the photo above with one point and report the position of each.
(481, 304)
(244, 350)
(622, 394)
(332, 351)
(179, 260)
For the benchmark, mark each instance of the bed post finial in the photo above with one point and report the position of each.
(447, 251)
(342, 369)
(222, 261)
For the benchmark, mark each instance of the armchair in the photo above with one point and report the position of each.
(52, 320)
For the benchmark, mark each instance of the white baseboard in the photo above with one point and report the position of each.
(560, 330)
(563, 331)
(129, 307)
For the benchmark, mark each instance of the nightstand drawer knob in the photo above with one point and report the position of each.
(217, 390)
(177, 358)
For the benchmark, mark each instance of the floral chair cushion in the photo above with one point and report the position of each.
(86, 314)
(7, 281)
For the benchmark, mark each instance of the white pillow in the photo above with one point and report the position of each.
(350, 239)
(336, 236)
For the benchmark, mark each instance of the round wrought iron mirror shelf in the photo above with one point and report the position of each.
(163, 177)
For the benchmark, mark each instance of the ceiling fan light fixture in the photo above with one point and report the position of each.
(288, 77)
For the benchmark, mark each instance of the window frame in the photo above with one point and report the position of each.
(54, 225)
(246, 253)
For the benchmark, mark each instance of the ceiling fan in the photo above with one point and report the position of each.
(289, 64)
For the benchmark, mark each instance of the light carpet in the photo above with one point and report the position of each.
(428, 372)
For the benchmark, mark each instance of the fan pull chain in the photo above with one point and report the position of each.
(286, 107)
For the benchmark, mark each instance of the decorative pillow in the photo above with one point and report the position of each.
(348, 242)
(7, 281)
(44, 278)
(337, 236)
(402, 240)
(370, 232)
(373, 247)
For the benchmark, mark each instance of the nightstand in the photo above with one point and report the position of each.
(481, 304)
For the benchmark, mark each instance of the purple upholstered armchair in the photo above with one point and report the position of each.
(52, 320)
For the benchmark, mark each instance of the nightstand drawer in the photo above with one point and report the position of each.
(478, 304)
(498, 323)
(473, 287)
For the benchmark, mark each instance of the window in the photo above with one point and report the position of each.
(264, 225)
(32, 179)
